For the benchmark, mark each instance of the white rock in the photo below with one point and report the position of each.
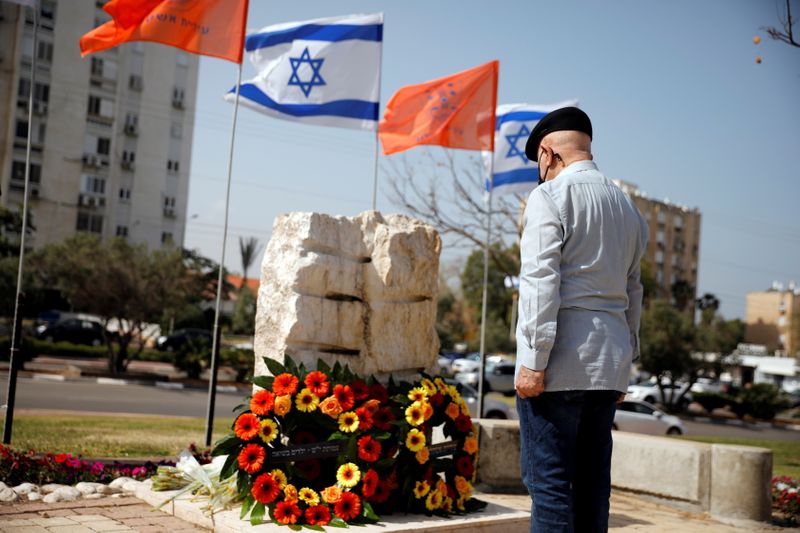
(119, 482)
(86, 487)
(50, 487)
(25, 488)
(3, 485)
(68, 492)
(358, 290)
(131, 486)
(53, 497)
(34, 496)
(8, 495)
(118, 495)
(105, 489)
(94, 496)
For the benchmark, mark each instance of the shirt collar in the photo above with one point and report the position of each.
(579, 166)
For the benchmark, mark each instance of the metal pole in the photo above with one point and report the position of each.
(484, 297)
(212, 382)
(377, 142)
(16, 332)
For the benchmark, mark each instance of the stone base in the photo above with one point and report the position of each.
(495, 518)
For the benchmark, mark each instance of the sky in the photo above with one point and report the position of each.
(679, 107)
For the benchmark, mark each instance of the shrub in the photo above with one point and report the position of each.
(242, 361)
(763, 400)
(786, 498)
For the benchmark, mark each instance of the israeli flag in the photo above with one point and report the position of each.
(513, 172)
(322, 71)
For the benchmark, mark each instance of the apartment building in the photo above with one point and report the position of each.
(773, 318)
(111, 132)
(673, 249)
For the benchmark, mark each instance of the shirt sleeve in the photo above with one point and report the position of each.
(635, 292)
(540, 280)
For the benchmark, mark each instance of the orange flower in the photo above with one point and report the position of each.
(369, 449)
(287, 513)
(369, 483)
(422, 456)
(318, 515)
(331, 407)
(331, 494)
(427, 410)
(372, 406)
(317, 383)
(290, 493)
(265, 489)
(262, 401)
(285, 384)
(247, 426)
(470, 445)
(452, 410)
(348, 507)
(283, 404)
(345, 395)
(251, 458)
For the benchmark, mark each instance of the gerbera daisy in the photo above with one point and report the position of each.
(369, 449)
(441, 486)
(310, 469)
(317, 383)
(447, 504)
(262, 402)
(460, 503)
(421, 489)
(369, 483)
(422, 456)
(348, 507)
(371, 406)
(382, 491)
(382, 418)
(265, 489)
(290, 493)
(470, 445)
(280, 477)
(462, 485)
(307, 401)
(364, 418)
(414, 414)
(452, 411)
(331, 494)
(345, 396)
(427, 411)
(418, 394)
(287, 512)
(348, 422)
(283, 404)
(309, 496)
(429, 387)
(463, 424)
(415, 440)
(464, 408)
(319, 515)
(434, 500)
(246, 426)
(440, 384)
(464, 466)
(379, 392)
(284, 384)
(251, 458)
(348, 475)
(360, 389)
(269, 430)
(437, 399)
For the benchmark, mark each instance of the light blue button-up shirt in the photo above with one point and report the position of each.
(580, 297)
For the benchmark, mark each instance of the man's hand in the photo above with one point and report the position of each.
(620, 397)
(529, 383)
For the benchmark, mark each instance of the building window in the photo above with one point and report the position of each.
(128, 159)
(132, 124)
(23, 88)
(97, 66)
(172, 166)
(659, 257)
(678, 222)
(45, 52)
(122, 231)
(125, 195)
(177, 97)
(135, 82)
(21, 131)
(103, 146)
(660, 237)
(89, 222)
(93, 184)
(176, 130)
(18, 171)
(166, 237)
(41, 92)
(662, 217)
(100, 107)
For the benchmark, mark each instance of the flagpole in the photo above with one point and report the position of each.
(484, 297)
(215, 341)
(377, 138)
(16, 330)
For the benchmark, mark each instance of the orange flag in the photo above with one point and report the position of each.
(456, 112)
(207, 27)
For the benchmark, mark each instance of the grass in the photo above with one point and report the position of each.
(105, 436)
(785, 454)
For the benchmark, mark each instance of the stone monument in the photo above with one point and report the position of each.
(358, 290)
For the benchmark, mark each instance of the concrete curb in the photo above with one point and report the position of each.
(741, 423)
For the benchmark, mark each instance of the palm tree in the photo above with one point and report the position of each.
(249, 249)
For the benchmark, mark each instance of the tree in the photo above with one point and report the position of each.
(249, 249)
(123, 284)
(784, 34)
(683, 294)
(648, 280)
(244, 312)
(10, 231)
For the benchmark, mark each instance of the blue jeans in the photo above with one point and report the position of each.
(566, 459)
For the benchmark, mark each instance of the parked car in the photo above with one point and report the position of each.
(467, 363)
(649, 392)
(707, 385)
(179, 337)
(499, 377)
(642, 417)
(74, 330)
(445, 361)
(491, 408)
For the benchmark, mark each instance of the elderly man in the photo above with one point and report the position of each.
(579, 308)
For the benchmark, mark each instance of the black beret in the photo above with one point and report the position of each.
(566, 118)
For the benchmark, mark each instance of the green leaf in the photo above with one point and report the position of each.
(257, 516)
(242, 482)
(246, 504)
(323, 367)
(265, 382)
(337, 371)
(274, 367)
(352, 448)
(229, 468)
(226, 445)
(337, 436)
(402, 399)
(314, 527)
(295, 527)
(291, 366)
(337, 522)
(368, 513)
(383, 435)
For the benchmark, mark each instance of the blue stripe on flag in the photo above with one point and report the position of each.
(316, 32)
(357, 109)
(520, 175)
(518, 116)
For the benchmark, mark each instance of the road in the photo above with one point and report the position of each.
(91, 396)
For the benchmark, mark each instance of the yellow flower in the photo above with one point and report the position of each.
(422, 456)
(348, 475)
(460, 503)
(415, 415)
(470, 445)
(462, 485)
(441, 385)
(418, 394)
(306, 401)
(452, 410)
(429, 387)
(464, 408)
(290, 493)
(309, 496)
(280, 477)
(415, 440)
(283, 404)
(348, 422)
(269, 430)
(447, 504)
(332, 494)
(434, 500)
(453, 392)
(421, 488)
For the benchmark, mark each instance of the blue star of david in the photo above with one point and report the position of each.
(315, 64)
(513, 151)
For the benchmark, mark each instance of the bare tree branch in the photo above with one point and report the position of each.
(785, 35)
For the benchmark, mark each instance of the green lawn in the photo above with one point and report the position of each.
(125, 436)
(785, 454)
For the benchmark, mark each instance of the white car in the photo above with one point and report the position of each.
(468, 363)
(491, 408)
(499, 377)
(649, 392)
(641, 417)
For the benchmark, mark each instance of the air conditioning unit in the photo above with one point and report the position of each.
(131, 129)
(169, 212)
(40, 108)
(92, 160)
(127, 164)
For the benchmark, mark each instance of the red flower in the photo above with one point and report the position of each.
(285, 384)
(464, 466)
(247, 426)
(319, 515)
(379, 392)
(348, 507)
(317, 383)
(287, 512)
(364, 418)
(369, 449)
(310, 469)
(345, 396)
(251, 458)
(428, 475)
(62, 458)
(369, 483)
(262, 402)
(265, 489)
(382, 491)
(360, 389)
(382, 418)
(437, 399)
(303, 437)
(463, 424)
